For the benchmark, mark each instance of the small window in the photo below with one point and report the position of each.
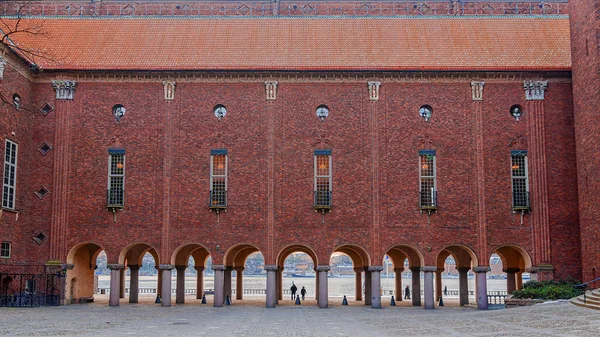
(218, 178)
(17, 102)
(322, 112)
(116, 178)
(427, 172)
(516, 111)
(10, 175)
(426, 111)
(322, 183)
(118, 111)
(5, 250)
(520, 180)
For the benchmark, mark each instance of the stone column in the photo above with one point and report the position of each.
(358, 284)
(428, 283)
(482, 299)
(115, 283)
(463, 285)
(520, 279)
(227, 282)
(180, 292)
(416, 286)
(398, 291)
(368, 285)
(533, 276)
(158, 282)
(323, 290)
(134, 283)
(239, 283)
(438, 283)
(219, 296)
(122, 282)
(199, 282)
(271, 285)
(511, 279)
(376, 286)
(165, 276)
(316, 285)
(279, 273)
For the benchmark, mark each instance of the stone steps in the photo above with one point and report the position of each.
(592, 300)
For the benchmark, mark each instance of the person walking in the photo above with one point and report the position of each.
(293, 290)
(303, 292)
(445, 291)
(407, 293)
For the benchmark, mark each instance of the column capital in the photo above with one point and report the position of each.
(218, 267)
(511, 270)
(375, 268)
(482, 269)
(545, 267)
(324, 268)
(199, 268)
(374, 90)
(477, 90)
(271, 267)
(69, 266)
(133, 266)
(358, 270)
(534, 90)
(239, 268)
(115, 266)
(169, 88)
(415, 269)
(398, 270)
(65, 89)
(429, 269)
(463, 269)
(271, 89)
(166, 267)
(179, 267)
(2, 65)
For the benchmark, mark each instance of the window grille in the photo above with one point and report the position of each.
(427, 181)
(218, 179)
(116, 178)
(520, 180)
(10, 175)
(322, 185)
(5, 250)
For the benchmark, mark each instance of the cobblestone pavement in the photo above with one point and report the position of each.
(145, 319)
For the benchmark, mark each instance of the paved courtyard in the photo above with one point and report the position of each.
(551, 319)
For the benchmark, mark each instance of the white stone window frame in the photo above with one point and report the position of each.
(9, 183)
(430, 188)
(5, 249)
(111, 175)
(214, 185)
(328, 176)
(523, 179)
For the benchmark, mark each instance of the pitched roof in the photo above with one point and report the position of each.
(406, 43)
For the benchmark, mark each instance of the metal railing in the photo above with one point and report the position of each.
(584, 286)
(114, 198)
(428, 200)
(322, 200)
(29, 290)
(218, 199)
(285, 8)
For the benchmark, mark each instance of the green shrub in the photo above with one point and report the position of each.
(548, 290)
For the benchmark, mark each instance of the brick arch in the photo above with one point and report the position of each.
(285, 252)
(399, 253)
(360, 257)
(236, 255)
(513, 257)
(81, 262)
(182, 254)
(463, 256)
(134, 253)
(90, 247)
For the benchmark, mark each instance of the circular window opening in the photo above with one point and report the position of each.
(220, 111)
(322, 112)
(426, 111)
(17, 101)
(118, 111)
(516, 111)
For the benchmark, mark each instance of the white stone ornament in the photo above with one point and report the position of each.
(374, 90)
(119, 111)
(65, 89)
(534, 90)
(2, 65)
(169, 87)
(271, 89)
(477, 90)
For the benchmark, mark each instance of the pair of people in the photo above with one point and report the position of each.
(293, 289)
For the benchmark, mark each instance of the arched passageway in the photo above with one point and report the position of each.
(360, 262)
(81, 266)
(464, 259)
(235, 260)
(399, 254)
(515, 261)
(132, 258)
(275, 275)
(180, 260)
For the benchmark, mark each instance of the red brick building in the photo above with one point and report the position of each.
(455, 130)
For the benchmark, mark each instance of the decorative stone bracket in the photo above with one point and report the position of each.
(65, 89)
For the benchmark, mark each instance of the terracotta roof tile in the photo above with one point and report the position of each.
(442, 43)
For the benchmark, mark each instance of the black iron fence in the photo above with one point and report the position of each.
(29, 290)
